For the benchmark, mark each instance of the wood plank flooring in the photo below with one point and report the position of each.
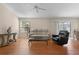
(21, 47)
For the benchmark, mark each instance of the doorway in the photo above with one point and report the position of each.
(24, 28)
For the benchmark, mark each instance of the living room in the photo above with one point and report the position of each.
(40, 18)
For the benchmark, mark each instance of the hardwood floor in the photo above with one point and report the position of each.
(21, 47)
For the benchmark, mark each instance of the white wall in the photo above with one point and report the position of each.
(38, 23)
(7, 18)
(74, 23)
(51, 23)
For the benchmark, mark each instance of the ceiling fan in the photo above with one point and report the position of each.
(37, 8)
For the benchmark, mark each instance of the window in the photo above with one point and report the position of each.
(24, 26)
(64, 26)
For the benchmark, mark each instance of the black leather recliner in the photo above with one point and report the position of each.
(62, 38)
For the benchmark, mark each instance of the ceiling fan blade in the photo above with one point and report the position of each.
(42, 9)
(37, 11)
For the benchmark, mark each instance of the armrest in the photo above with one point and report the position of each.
(55, 35)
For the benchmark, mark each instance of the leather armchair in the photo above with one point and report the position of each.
(62, 38)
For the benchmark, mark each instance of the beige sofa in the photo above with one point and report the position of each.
(39, 34)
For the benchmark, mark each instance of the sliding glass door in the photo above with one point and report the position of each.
(64, 26)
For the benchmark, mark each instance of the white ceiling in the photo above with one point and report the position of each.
(52, 9)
